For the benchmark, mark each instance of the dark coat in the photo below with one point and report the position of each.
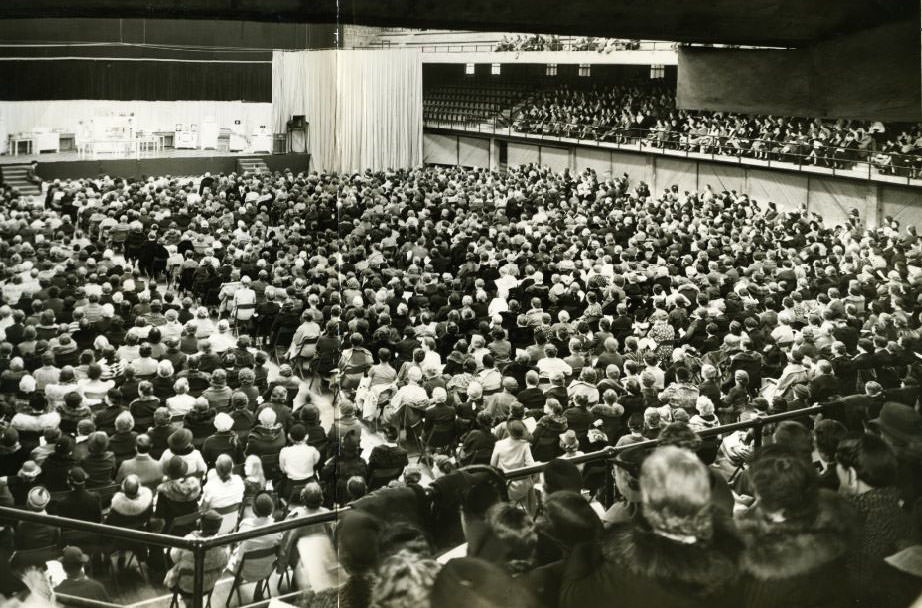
(80, 504)
(798, 563)
(34, 536)
(217, 444)
(636, 568)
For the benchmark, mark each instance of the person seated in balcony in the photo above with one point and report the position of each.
(263, 511)
(179, 577)
(79, 503)
(143, 466)
(99, 463)
(30, 535)
(223, 487)
(78, 584)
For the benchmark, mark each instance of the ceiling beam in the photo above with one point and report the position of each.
(788, 23)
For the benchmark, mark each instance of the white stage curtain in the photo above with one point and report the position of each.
(66, 115)
(364, 108)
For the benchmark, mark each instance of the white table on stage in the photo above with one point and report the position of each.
(260, 142)
(45, 139)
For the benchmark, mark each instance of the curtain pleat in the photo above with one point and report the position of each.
(364, 106)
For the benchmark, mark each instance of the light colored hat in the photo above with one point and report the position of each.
(38, 498)
(30, 470)
(223, 422)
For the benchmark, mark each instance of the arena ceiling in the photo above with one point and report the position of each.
(783, 23)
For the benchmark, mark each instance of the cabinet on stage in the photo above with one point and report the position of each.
(185, 137)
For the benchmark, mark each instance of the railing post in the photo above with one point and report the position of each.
(757, 427)
(198, 585)
(608, 496)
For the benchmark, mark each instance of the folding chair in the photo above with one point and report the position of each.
(243, 315)
(255, 566)
(230, 517)
(105, 495)
(182, 597)
(183, 524)
(271, 467)
(134, 522)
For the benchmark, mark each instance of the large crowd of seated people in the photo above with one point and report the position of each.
(168, 347)
(630, 114)
(539, 42)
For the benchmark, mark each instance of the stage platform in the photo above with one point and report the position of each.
(68, 165)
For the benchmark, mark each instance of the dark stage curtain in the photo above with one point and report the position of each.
(135, 80)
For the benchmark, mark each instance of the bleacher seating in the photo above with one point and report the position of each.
(470, 105)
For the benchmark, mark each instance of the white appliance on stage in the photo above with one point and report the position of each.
(261, 140)
(208, 136)
(185, 138)
(44, 139)
(3, 136)
(238, 139)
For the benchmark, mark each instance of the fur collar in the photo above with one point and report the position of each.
(700, 569)
(791, 548)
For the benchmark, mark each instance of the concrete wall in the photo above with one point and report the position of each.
(830, 196)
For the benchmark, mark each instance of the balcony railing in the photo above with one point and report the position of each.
(761, 426)
(570, 46)
(891, 168)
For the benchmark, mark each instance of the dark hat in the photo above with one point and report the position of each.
(561, 474)
(211, 522)
(77, 476)
(73, 556)
(899, 421)
(10, 438)
(176, 468)
(310, 415)
(469, 581)
(358, 542)
(179, 440)
(630, 460)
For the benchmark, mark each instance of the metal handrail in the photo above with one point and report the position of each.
(152, 538)
(638, 140)
(281, 526)
(610, 452)
(165, 540)
(199, 545)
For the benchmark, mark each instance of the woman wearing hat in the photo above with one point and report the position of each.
(200, 421)
(180, 443)
(222, 441)
(179, 493)
(797, 537)
(30, 535)
(184, 559)
(514, 452)
(22, 483)
(678, 554)
(99, 463)
(867, 472)
(569, 443)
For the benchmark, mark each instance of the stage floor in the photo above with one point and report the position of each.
(68, 165)
(71, 156)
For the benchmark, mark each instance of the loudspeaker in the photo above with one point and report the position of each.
(296, 122)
